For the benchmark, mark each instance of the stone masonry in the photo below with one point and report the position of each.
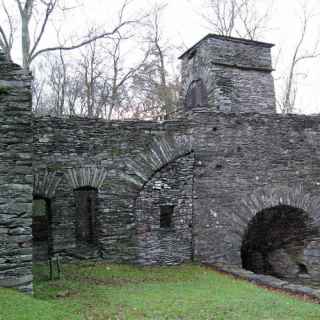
(200, 187)
(236, 74)
(15, 177)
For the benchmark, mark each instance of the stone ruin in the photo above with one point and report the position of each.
(228, 181)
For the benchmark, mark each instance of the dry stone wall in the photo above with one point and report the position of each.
(117, 158)
(164, 192)
(170, 187)
(242, 165)
(15, 177)
(245, 164)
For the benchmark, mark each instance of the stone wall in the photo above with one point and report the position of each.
(212, 171)
(118, 159)
(15, 177)
(245, 164)
(172, 186)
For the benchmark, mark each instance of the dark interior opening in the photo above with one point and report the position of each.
(166, 213)
(86, 201)
(197, 95)
(302, 268)
(274, 242)
(41, 229)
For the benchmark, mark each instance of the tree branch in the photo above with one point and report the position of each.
(82, 43)
(50, 7)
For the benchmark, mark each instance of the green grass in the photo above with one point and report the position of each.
(101, 291)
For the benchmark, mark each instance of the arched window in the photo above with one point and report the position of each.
(197, 95)
(86, 200)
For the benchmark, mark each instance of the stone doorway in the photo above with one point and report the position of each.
(275, 242)
(86, 201)
(41, 229)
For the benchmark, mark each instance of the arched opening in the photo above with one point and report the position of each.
(197, 95)
(41, 228)
(86, 201)
(275, 240)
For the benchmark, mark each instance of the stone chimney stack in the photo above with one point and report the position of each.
(225, 74)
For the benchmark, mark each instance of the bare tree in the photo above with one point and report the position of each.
(37, 95)
(31, 39)
(91, 72)
(58, 80)
(155, 38)
(57, 85)
(240, 18)
(155, 87)
(7, 34)
(287, 100)
(120, 76)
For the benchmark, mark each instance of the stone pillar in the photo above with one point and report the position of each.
(15, 177)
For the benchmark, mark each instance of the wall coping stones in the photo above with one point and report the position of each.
(268, 281)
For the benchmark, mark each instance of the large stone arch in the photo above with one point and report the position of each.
(296, 199)
(162, 151)
(295, 196)
(119, 223)
(260, 199)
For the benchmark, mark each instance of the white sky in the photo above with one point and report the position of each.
(182, 24)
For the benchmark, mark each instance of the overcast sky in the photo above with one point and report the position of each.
(183, 24)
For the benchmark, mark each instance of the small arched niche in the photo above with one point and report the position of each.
(86, 203)
(41, 228)
(275, 240)
(197, 95)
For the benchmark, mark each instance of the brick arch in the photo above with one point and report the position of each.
(162, 151)
(45, 184)
(92, 176)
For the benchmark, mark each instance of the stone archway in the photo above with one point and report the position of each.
(280, 232)
(120, 241)
(275, 240)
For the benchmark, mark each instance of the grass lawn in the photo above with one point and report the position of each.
(102, 291)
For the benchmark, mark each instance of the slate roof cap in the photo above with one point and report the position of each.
(225, 38)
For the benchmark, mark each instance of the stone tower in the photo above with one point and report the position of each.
(226, 74)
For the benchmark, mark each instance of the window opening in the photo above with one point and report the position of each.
(166, 213)
(86, 198)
